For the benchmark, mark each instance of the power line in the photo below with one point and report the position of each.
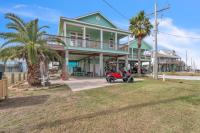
(115, 9)
(161, 10)
(180, 36)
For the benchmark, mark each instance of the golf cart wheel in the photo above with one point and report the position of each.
(131, 80)
(110, 80)
(125, 80)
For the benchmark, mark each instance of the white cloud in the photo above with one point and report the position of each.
(19, 6)
(179, 44)
(34, 11)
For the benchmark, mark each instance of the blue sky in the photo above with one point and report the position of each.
(183, 17)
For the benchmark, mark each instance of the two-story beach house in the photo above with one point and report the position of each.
(169, 61)
(95, 45)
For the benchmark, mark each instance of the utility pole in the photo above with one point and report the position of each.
(155, 58)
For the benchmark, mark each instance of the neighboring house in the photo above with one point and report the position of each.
(133, 52)
(169, 61)
(13, 66)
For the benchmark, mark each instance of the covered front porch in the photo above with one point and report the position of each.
(93, 64)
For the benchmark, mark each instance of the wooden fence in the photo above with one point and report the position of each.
(15, 77)
(3, 88)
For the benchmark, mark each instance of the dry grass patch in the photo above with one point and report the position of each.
(144, 106)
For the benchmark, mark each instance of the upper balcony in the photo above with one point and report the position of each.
(87, 45)
(170, 62)
(143, 57)
(91, 45)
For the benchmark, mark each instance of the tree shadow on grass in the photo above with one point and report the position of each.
(23, 101)
(116, 110)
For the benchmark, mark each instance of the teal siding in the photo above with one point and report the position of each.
(97, 19)
(145, 45)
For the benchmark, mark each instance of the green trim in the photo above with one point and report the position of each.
(92, 18)
(98, 50)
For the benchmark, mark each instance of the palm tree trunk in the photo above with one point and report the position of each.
(64, 74)
(139, 56)
(33, 76)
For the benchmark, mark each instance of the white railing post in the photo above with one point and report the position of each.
(116, 45)
(84, 37)
(101, 38)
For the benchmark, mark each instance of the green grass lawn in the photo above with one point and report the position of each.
(141, 107)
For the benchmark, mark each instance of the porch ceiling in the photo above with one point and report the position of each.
(93, 32)
(90, 53)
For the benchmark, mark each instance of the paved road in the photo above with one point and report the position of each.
(181, 77)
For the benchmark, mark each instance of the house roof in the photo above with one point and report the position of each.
(96, 18)
(145, 45)
(166, 54)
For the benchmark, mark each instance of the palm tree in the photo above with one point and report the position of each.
(29, 42)
(140, 27)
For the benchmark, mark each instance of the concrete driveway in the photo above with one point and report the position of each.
(83, 83)
(181, 77)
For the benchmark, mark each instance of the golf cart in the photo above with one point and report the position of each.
(124, 75)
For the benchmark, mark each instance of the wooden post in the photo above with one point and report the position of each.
(19, 78)
(5, 86)
(101, 64)
(12, 78)
(24, 78)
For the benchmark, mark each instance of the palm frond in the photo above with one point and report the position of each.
(12, 53)
(16, 20)
(43, 27)
(140, 25)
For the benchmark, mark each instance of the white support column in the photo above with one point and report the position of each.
(84, 37)
(132, 52)
(116, 41)
(101, 64)
(117, 64)
(101, 38)
(126, 61)
(65, 32)
(93, 61)
(67, 59)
